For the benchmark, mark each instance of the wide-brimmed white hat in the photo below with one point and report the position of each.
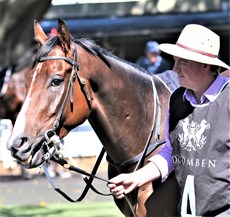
(196, 43)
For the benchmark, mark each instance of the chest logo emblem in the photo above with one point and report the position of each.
(192, 137)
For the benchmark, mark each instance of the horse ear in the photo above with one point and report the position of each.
(64, 35)
(40, 35)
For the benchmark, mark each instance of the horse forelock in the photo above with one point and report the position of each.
(46, 48)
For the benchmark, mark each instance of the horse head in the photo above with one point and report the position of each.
(49, 96)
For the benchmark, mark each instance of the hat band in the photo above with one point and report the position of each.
(197, 51)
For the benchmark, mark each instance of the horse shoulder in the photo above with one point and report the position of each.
(144, 192)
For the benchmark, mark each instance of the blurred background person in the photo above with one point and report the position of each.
(153, 62)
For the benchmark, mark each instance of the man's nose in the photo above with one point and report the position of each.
(176, 67)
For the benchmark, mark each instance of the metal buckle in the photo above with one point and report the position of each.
(53, 145)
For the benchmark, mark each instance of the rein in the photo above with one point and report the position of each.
(157, 120)
(52, 140)
(51, 136)
(148, 148)
(59, 156)
(55, 148)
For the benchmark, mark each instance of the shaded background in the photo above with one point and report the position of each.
(16, 27)
(120, 26)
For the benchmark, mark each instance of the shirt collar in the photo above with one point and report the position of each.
(210, 94)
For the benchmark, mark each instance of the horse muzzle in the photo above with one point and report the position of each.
(29, 155)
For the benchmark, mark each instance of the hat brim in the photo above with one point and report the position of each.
(177, 51)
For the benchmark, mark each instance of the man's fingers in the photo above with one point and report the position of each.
(111, 185)
(117, 191)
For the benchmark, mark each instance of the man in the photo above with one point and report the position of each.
(197, 135)
(153, 62)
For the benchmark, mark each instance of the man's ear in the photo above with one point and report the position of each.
(206, 67)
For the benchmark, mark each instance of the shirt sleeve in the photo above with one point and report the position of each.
(163, 158)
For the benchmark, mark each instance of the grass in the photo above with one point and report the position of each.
(95, 209)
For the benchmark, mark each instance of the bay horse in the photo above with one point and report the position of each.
(74, 80)
(12, 94)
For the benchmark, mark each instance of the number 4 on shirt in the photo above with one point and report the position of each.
(189, 196)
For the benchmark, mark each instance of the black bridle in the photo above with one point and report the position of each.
(53, 143)
(70, 89)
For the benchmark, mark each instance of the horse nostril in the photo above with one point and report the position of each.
(13, 151)
(16, 145)
(19, 147)
(20, 142)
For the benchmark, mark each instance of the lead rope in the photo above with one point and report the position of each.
(56, 124)
(156, 116)
(59, 156)
(72, 165)
(140, 162)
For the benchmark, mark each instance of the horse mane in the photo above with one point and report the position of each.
(97, 50)
(94, 49)
(89, 45)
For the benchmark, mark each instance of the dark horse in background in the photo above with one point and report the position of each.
(12, 90)
(12, 85)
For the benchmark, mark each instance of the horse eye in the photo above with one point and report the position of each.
(56, 82)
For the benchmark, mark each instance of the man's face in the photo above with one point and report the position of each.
(152, 56)
(190, 73)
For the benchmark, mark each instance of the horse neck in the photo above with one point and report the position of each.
(122, 110)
